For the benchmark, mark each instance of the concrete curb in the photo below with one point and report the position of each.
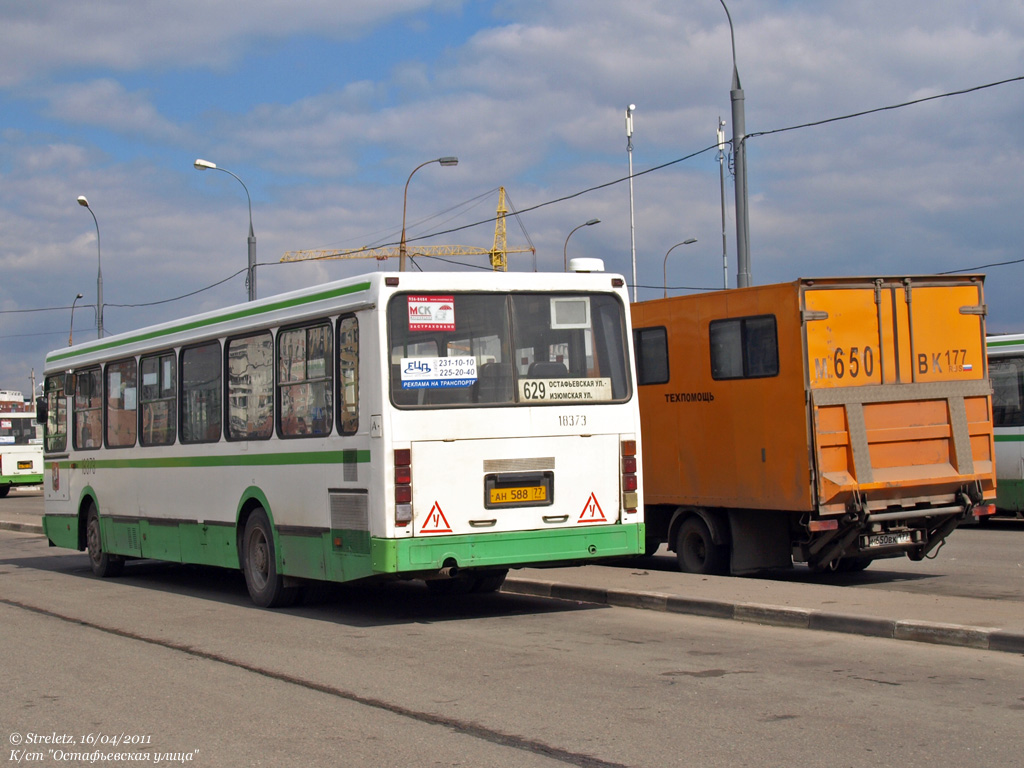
(983, 638)
(21, 527)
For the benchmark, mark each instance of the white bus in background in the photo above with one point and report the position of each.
(396, 425)
(21, 451)
(1006, 372)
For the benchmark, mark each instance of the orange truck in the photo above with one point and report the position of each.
(830, 421)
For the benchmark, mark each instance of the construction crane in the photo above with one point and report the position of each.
(498, 254)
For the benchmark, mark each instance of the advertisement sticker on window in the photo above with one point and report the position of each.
(431, 313)
(435, 372)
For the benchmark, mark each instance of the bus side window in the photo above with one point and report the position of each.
(157, 399)
(305, 381)
(1007, 377)
(88, 409)
(56, 414)
(251, 387)
(348, 375)
(201, 393)
(121, 403)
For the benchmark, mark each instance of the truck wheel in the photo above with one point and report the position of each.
(695, 550)
(102, 564)
(259, 562)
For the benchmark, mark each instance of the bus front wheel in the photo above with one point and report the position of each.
(259, 563)
(102, 563)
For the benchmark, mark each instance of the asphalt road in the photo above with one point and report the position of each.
(969, 597)
(394, 676)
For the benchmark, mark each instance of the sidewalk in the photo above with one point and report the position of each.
(969, 622)
(975, 623)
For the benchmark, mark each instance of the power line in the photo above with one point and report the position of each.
(983, 266)
(580, 193)
(884, 109)
(184, 295)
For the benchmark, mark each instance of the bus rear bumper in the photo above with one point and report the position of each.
(506, 550)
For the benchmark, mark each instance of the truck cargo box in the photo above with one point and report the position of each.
(818, 420)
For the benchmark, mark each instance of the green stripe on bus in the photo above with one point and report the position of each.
(202, 323)
(233, 460)
(33, 479)
(1009, 438)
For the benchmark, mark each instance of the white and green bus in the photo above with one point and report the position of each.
(444, 427)
(1006, 371)
(21, 451)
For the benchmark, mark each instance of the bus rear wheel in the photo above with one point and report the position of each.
(259, 563)
(102, 563)
(697, 552)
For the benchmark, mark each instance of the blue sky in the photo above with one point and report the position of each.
(324, 107)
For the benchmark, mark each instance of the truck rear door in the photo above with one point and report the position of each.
(899, 394)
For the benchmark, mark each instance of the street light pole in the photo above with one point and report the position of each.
(632, 224)
(446, 161)
(664, 268)
(99, 269)
(72, 329)
(721, 184)
(739, 150)
(565, 248)
(250, 280)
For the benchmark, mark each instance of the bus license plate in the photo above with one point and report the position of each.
(888, 539)
(24, 465)
(523, 495)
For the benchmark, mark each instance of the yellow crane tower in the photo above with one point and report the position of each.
(498, 254)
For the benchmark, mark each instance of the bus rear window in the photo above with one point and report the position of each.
(473, 349)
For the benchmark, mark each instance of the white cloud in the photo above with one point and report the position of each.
(533, 101)
(45, 37)
(107, 104)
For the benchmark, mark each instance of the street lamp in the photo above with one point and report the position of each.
(664, 267)
(629, 153)
(72, 329)
(99, 269)
(739, 151)
(405, 200)
(565, 256)
(720, 134)
(206, 165)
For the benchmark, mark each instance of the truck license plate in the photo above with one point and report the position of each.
(888, 539)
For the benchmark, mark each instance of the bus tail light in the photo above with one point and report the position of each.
(403, 487)
(630, 499)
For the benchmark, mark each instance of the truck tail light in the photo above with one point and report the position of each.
(403, 487)
(629, 479)
(816, 526)
(983, 510)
